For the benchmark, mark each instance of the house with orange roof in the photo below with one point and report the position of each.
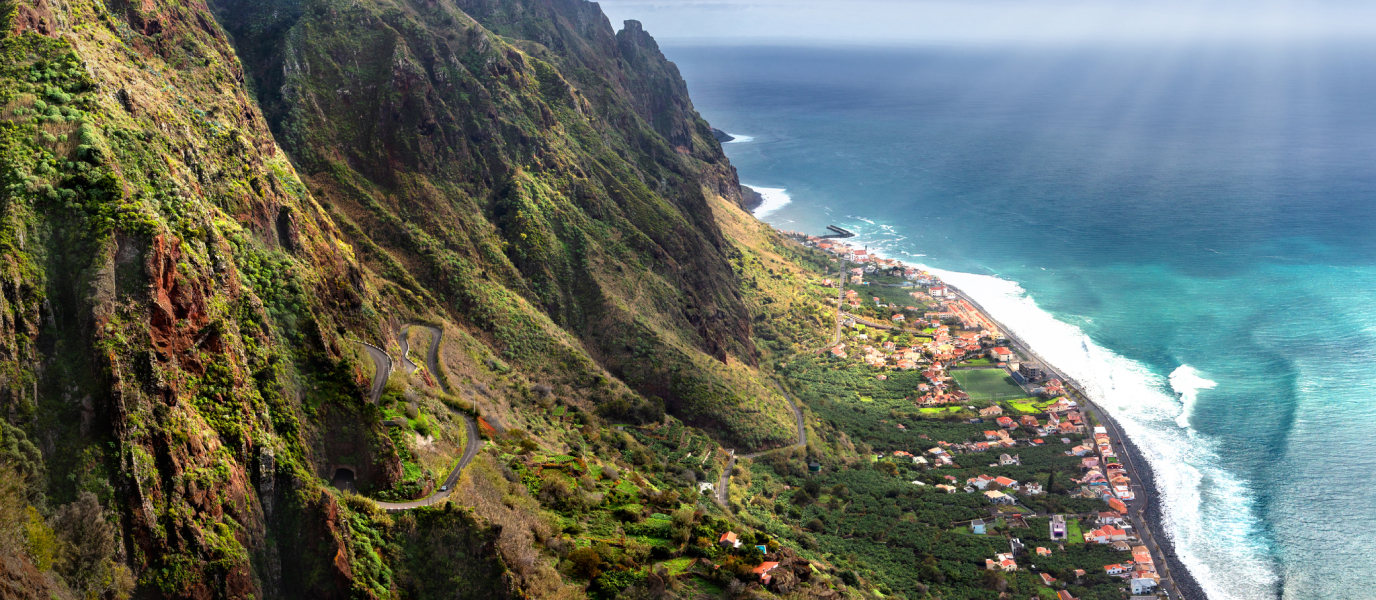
(1117, 569)
(1106, 535)
(1041, 551)
(763, 571)
(992, 411)
(981, 482)
(729, 540)
(1001, 562)
(1047, 580)
(1143, 561)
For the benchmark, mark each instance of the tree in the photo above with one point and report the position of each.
(587, 563)
(41, 543)
(12, 510)
(995, 580)
(88, 542)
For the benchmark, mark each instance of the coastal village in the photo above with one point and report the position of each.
(898, 318)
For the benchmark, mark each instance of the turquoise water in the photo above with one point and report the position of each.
(1189, 231)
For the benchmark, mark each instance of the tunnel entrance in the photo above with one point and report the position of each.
(344, 480)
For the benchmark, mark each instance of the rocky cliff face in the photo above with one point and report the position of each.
(510, 163)
(193, 245)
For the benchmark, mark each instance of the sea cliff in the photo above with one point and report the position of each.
(384, 299)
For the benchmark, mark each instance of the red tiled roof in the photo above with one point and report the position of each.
(765, 567)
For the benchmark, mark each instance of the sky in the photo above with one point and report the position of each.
(997, 21)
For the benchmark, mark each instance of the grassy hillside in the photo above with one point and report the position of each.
(183, 306)
(519, 185)
(220, 221)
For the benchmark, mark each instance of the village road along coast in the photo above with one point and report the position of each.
(1115, 470)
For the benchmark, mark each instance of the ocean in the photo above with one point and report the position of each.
(1189, 231)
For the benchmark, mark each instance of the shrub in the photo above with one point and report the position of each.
(587, 563)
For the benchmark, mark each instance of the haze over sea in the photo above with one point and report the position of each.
(1188, 231)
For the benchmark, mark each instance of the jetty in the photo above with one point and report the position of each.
(838, 232)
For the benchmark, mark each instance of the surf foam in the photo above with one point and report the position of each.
(1187, 383)
(1206, 510)
(774, 199)
(739, 139)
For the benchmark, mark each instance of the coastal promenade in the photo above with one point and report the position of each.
(1138, 470)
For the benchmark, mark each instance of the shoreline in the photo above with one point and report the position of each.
(1145, 510)
(1183, 580)
(1181, 575)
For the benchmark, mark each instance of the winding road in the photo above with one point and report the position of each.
(723, 484)
(384, 370)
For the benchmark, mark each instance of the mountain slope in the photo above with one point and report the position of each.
(491, 179)
(184, 297)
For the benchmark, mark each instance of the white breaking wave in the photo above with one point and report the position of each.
(1207, 511)
(1187, 382)
(774, 199)
(739, 139)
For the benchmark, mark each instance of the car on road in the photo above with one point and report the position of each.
(444, 488)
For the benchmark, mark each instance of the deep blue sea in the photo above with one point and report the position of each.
(1189, 231)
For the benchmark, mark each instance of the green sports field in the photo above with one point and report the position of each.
(988, 384)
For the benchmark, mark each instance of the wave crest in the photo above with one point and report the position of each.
(1187, 383)
(1207, 511)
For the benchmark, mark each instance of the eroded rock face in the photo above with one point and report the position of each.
(37, 17)
(179, 304)
(556, 168)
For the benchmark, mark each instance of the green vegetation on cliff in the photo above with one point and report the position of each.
(220, 219)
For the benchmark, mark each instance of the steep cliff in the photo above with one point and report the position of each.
(177, 308)
(559, 173)
(194, 247)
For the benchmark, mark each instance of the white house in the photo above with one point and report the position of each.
(999, 497)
